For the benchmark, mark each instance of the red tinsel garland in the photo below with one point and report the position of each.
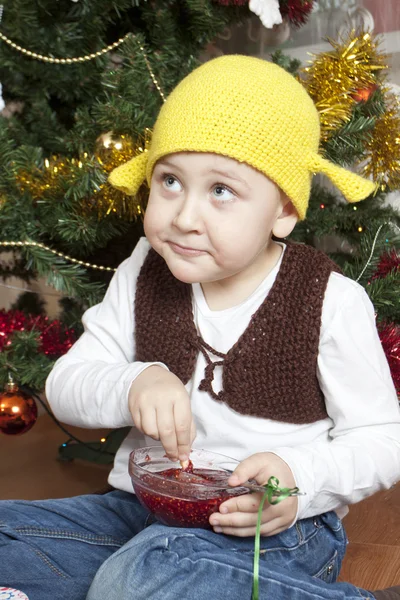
(232, 2)
(56, 339)
(389, 261)
(389, 334)
(296, 11)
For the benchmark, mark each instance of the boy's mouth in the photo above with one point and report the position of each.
(184, 250)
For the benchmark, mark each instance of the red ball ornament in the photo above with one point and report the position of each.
(364, 94)
(18, 411)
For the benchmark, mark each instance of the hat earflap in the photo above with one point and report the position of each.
(353, 187)
(129, 177)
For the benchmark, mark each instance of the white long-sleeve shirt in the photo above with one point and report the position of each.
(335, 461)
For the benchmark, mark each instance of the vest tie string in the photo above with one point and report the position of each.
(206, 382)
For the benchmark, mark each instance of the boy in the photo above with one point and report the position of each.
(242, 344)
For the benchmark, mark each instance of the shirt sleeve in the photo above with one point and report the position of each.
(362, 453)
(89, 385)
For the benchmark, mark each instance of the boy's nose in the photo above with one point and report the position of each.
(187, 217)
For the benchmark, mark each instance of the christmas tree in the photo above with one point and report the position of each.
(83, 82)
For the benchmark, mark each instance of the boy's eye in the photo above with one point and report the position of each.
(223, 193)
(171, 183)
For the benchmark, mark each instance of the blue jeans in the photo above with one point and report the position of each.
(52, 550)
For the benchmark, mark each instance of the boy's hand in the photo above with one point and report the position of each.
(160, 408)
(238, 516)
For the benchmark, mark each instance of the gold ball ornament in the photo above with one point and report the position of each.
(18, 411)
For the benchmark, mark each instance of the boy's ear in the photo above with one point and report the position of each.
(286, 220)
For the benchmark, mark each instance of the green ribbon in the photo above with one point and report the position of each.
(274, 494)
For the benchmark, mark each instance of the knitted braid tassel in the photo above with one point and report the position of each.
(129, 177)
(353, 187)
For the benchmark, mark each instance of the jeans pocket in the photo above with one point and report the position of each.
(330, 571)
(57, 552)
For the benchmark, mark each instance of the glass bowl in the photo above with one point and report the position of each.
(177, 499)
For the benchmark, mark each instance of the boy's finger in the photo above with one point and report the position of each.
(267, 529)
(193, 432)
(166, 429)
(183, 421)
(148, 420)
(249, 468)
(137, 419)
(238, 519)
(249, 503)
(237, 531)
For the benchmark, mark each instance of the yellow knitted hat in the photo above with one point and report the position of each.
(253, 111)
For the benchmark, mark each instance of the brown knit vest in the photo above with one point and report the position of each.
(270, 371)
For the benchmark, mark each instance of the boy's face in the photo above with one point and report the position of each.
(210, 217)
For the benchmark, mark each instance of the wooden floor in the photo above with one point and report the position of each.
(29, 469)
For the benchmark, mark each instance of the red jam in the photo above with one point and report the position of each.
(174, 501)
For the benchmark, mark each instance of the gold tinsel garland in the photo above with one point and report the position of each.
(59, 174)
(383, 149)
(335, 77)
(46, 181)
(338, 80)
